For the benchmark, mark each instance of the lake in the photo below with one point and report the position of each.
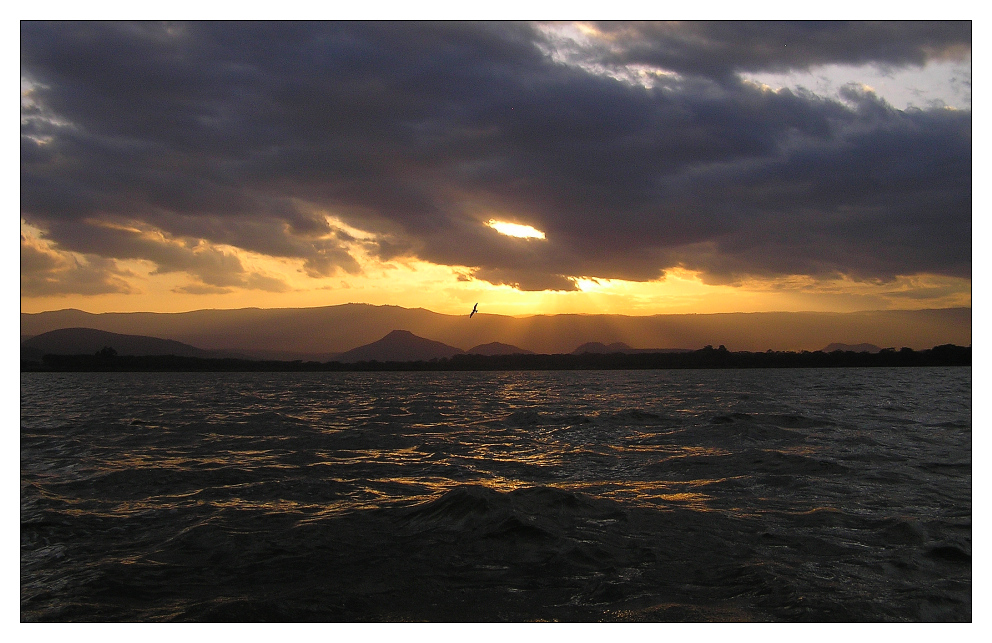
(659, 495)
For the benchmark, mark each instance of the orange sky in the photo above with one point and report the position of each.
(413, 283)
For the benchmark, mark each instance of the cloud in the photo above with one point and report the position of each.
(722, 49)
(201, 289)
(251, 135)
(48, 272)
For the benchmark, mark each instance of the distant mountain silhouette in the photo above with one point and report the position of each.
(599, 347)
(620, 347)
(87, 341)
(498, 348)
(856, 348)
(399, 346)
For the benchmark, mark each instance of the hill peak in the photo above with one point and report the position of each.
(400, 346)
(398, 334)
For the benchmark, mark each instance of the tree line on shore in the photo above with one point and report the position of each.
(107, 359)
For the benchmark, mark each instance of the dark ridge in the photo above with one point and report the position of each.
(74, 341)
(498, 348)
(855, 348)
(601, 348)
(944, 355)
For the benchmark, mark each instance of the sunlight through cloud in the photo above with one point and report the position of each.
(515, 229)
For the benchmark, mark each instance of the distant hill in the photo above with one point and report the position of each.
(619, 347)
(854, 348)
(498, 348)
(599, 347)
(399, 346)
(87, 341)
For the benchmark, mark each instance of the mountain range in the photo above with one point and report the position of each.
(397, 346)
(323, 333)
(404, 346)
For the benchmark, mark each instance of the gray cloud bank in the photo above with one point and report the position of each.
(247, 134)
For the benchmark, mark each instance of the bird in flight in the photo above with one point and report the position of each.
(474, 309)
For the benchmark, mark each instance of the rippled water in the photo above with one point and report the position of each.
(764, 495)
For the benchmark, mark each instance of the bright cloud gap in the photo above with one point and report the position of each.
(515, 229)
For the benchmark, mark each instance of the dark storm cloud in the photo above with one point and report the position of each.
(720, 49)
(248, 134)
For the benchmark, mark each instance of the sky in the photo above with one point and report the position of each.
(533, 167)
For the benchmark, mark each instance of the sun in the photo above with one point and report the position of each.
(515, 229)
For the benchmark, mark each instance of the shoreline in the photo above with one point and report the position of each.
(706, 358)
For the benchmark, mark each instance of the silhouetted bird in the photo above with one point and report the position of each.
(474, 309)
